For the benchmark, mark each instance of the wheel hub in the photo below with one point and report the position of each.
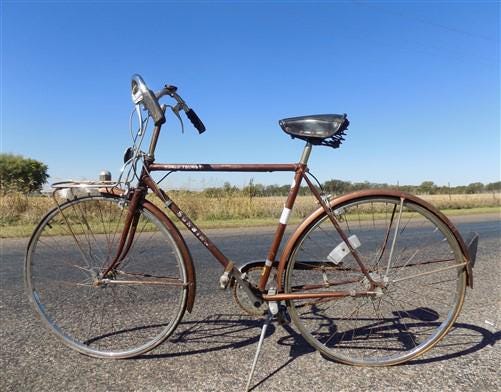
(380, 285)
(98, 280)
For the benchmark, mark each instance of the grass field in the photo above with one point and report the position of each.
(19, 213)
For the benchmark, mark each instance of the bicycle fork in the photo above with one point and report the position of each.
(129, 230)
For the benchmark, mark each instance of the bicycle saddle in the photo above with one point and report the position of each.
(321, 129)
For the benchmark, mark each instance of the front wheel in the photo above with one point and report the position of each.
(125, 313)
(410, 253)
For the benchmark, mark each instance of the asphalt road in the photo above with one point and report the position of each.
(212, 349)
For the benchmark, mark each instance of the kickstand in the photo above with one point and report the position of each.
(267, 321)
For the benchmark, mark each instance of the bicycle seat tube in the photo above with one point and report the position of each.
(284, 217)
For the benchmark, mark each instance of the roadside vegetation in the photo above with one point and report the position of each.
(227, 207)
(20, 174)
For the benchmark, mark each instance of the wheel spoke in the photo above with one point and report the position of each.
(133, 308)
(416, 264)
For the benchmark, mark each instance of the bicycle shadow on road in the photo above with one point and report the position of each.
(215, 333)
(463, 339)
(233, 331)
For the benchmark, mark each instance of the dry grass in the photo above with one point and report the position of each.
(460, 202)
(17, 208)
(201, 207)
(19, 213)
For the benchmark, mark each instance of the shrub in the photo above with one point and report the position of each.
(19, 174)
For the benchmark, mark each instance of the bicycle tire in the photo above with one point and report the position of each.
(422, 297)
(145, 296)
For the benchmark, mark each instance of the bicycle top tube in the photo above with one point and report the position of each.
(224, 167)
(235, 167)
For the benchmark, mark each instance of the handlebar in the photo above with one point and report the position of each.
(141, 94)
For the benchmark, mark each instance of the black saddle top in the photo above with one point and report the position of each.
(323, 129)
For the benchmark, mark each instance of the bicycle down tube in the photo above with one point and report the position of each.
(300, 169)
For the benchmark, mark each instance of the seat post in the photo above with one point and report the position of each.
(306, 153)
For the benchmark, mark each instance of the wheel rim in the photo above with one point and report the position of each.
(126, 313)
(404, 317)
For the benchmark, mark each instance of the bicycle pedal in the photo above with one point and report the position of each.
(225, 278)
(283, 317)
(224, 281)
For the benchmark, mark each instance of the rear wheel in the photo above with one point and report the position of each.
(129, 311)
(410, 253)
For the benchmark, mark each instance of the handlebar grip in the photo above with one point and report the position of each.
(195, 120)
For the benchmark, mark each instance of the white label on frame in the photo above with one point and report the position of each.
(284, 218)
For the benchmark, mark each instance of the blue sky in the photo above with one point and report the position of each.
(419, 80)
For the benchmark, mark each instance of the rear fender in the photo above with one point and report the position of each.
(310, 220)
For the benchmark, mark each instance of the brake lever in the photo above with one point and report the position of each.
(181, 105)
(175, 110)
(140, 117)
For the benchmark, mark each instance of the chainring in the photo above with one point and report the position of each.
(241, 298)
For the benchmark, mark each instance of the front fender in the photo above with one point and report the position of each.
(178, 239)
(185, 252)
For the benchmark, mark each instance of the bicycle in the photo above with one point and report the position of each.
(371, 278)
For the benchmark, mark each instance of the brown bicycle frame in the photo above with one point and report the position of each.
(300, 169)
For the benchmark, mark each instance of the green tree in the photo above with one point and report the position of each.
(427, 187)
(19, 174)
(475, 187)
(229, 190)
(493, 186)
(337, 187)
(253, 190)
